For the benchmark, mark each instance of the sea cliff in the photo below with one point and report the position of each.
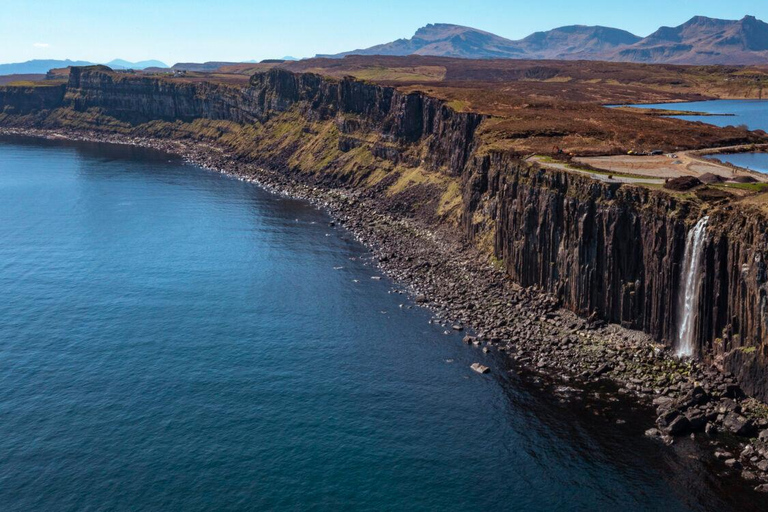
(603, 250)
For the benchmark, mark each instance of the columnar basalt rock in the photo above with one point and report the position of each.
(602, 249)
(26, 100)
(616, 251)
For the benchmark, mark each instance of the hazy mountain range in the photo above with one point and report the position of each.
(701, 40)
(41, 67)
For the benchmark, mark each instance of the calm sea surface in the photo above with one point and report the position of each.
(752, 113)
(172, 339)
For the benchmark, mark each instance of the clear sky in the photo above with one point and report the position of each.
(239, 30)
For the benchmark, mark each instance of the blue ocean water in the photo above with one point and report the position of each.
(173, 339)
(754, 161)
(752, 113)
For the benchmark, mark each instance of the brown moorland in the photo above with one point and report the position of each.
(538, 106)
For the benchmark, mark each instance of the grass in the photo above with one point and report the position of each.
(459, 105)
(29, 83)
(415, 176)
(750, 187)
(451, 199)
(392, 74)
(579, 168)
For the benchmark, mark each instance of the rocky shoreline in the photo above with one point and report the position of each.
(465, 290)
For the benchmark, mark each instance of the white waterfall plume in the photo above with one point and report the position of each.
(690, 288)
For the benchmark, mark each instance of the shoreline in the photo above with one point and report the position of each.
(464, 290)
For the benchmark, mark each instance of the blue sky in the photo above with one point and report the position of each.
(238, 30)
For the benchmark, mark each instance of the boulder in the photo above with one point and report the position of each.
(682, 183)
(713, 195)
(603, 369)
(697, 420)
(679, 426)
(696, 396)
(727, 405)
(710, 178)
(738, 424)
(748, 475)
(653, 432)
(666, 418)
(733, 391)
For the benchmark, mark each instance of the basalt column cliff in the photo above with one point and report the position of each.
(605, 250)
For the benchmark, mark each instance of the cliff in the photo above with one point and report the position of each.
(617, 251)
(607, 250)
(19, 101)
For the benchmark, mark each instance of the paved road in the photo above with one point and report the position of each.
(600, 177)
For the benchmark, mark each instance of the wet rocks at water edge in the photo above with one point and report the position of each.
(543, 341)
(738, 424)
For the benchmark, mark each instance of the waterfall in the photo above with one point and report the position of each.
(688, 298)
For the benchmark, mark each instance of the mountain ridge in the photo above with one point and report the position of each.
(700, 40)
(43, 66)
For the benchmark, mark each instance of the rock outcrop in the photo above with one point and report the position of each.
(616, 252)
(604, 250)
(18, 101)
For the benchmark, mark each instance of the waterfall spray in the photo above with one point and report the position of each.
(688, 298)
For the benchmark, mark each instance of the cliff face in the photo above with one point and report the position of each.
(618, 252)
(399, 118)
(27, 100)
(142, 99)
(603, 249)
(733, 317)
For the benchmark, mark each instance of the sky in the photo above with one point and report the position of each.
(241, 30)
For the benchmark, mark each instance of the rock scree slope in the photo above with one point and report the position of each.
(606, 250)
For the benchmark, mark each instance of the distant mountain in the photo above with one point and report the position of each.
(576, 42)
(124, 64)
(447, 41)
(39, 66)
(202, 67)
(701, 40)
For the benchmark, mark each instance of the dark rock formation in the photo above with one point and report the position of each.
(682, 183)
(616, 251)
(710, 178)
(604, 250)
(26, 100)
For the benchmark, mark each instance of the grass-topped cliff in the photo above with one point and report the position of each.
(601, 248)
